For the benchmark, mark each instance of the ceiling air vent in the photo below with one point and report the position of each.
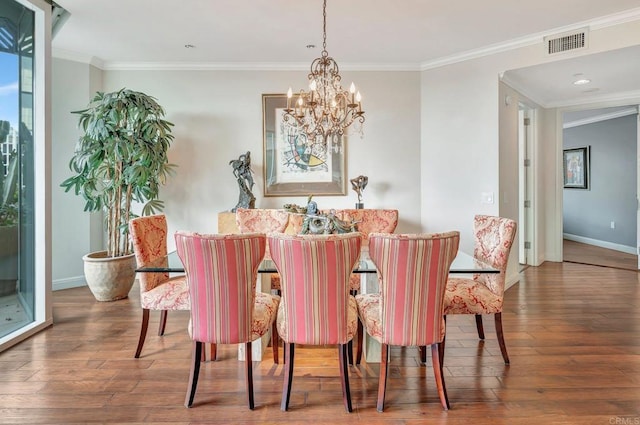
(567, 41)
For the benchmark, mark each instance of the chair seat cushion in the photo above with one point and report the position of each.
(369, 311)
(468, 296)
(354, 282)
(275, 281)
(352, 322)
(264, 313)
(170, 295)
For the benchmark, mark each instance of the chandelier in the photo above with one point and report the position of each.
(324, 112)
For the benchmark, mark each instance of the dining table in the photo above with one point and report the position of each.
(462, 264)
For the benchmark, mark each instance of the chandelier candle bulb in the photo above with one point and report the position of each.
(289, 96)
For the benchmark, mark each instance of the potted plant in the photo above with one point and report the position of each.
(120, 160)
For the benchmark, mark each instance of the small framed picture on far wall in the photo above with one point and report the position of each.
(576, 168)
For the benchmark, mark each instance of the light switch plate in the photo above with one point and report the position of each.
(487, 197)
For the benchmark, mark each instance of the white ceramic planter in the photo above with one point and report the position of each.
(109, 278)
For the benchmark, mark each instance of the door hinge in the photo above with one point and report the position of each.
(527, 204)
(527, 121)
(527, 245)
(527, 162)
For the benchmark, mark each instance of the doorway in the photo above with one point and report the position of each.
(600, 218)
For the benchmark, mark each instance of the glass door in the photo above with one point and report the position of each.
(20, 212)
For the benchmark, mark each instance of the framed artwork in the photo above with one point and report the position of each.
(576, 168)
(293, 164)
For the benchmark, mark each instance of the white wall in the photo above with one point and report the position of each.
(73, 84)
(461, 144)
(218, 116)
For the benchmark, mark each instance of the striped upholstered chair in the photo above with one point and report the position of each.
(252, 220)
(408, 310)
(316, 307)
(484, 293)
(221, 272)
(369, 221)
(158, 291)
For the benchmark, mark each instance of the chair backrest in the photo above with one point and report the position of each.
(257, 220)
(493, 240)
(413, 270)
(221, 273)
(314, 272)
(371, 221)
(149, 238)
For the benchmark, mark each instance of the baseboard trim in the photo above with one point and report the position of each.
(68, 283)
(601, 244)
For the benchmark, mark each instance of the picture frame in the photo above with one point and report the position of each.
(293, 165)
(576, 168)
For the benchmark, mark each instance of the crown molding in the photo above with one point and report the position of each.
(594, 24)
(248, 66)
(77, 57)
(601, 117)
(629, 97)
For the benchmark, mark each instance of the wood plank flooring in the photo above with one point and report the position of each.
(576, 252)
(573, 334)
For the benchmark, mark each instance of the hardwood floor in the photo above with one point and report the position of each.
(577, 252)
(573, 334)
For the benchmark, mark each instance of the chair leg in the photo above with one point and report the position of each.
(352, 292)
(288, 375)
(382, 380)
(360, 338)
(479, 326)
(275, 342)
(143, 331)
(163, 322)
(350, 352)
(500, 334)
(441, 345)
(423, 354)
(437, 371)
(344, 376)
(213, 350)
(249, 366)
(196, 353)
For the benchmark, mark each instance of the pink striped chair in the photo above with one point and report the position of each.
(264, 221)
(221, 273)
(484, 293)
(157, 290)
(316, 308)
(408, 310)
(369, 221)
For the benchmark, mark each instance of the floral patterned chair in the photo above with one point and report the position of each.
(225, 307)
(264, 221)
(484, 293)
(157, 290)
(408, 310)
(316, 307)
(369, 221)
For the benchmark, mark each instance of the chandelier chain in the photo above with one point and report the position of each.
(324, 26)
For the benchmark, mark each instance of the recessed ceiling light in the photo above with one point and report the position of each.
(581, 82)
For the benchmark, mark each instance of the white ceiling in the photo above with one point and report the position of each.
(361, 34)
